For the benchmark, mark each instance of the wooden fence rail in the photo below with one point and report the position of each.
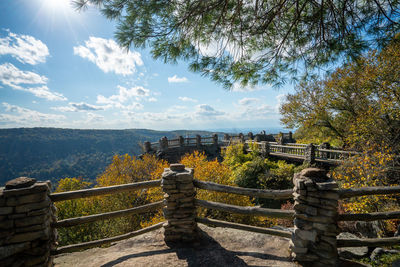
(107, 215)
(77, 247)
(373, 216)
(377, 190)
(272, 213)
(262, 193)
(368, 242)
(55, 197)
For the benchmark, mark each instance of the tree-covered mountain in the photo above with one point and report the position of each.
(53, 153)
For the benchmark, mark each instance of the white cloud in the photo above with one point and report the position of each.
(109, 56)
(124, 98)
(12, 76)
(44, 92)
(26, 117)
(16, 78)
(24, 48)
(152, 99)
(176, 79)
(124, 95)
(280, 99)
(76, 107)
(247, 101)
(207, 111)
(94, 118)
(187, 99)
(237, 87)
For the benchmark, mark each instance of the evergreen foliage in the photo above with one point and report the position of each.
(252, 41)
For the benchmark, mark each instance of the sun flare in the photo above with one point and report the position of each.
(58, 4)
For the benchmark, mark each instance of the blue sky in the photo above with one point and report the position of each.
(62, 68)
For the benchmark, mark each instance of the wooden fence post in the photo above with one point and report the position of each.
(315, 225)
(26, 235)
(180, 210)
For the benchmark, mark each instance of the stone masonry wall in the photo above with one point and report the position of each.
(26, 212)
(315, 225)
(180, 211)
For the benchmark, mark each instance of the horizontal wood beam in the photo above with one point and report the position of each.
(262, 193)
(365, 191)
(373, 216)
(96, 243)
(244, 227)
(107, 215)
(272, 213)
(368, 242)
(55, 197)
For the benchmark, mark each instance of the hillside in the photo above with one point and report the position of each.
(53, 153)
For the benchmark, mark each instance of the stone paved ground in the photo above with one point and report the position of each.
(218, 247)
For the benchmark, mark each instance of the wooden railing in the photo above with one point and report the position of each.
(70, 195)
(249, 210)
(288, 214)
(323, 154)
(372, 216)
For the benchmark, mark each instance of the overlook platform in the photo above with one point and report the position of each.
(218, 247)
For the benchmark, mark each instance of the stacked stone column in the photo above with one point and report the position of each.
(180, 211)
(315, 225)
(309, 154)
(26, 212)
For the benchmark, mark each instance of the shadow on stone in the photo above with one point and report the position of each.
(205, 252)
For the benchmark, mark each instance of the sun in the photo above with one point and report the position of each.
(57, 5)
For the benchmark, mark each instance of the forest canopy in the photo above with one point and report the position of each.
(252, 42)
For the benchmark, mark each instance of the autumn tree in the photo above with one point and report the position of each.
(252, 41)
(124, 169)
(358, 104)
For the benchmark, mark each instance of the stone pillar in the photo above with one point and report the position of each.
(315, 225)
(227, 137)
(147, 147)
(250, 135)
(325, 145)
(310, 154)
(164, 143)
(180, 211)
(215, 139)
(26, 212)
(181, 141)
(241, 137)
(198, 140)
(291, 140)
(280, 138)
(264, 149)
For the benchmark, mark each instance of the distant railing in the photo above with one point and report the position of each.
(324, 153)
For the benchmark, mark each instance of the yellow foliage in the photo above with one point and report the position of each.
(123, 169)
(364, 170)
(216, 172)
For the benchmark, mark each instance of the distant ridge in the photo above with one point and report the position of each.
(55, 153)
